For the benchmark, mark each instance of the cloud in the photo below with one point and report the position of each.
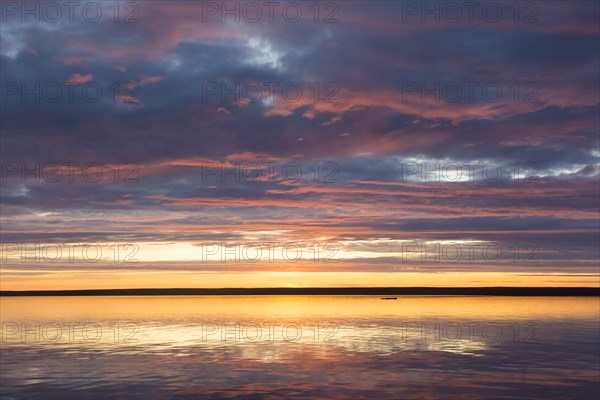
(186, 105)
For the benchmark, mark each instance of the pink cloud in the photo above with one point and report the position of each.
(78, 78)
(149, 80)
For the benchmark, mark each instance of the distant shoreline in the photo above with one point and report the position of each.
(343, 291)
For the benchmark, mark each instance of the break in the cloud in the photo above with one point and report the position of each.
(370, 129)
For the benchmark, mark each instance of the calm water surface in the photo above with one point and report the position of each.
(287, 347)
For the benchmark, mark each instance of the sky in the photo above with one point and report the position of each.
(291, 144)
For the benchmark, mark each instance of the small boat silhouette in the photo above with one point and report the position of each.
(389, 298)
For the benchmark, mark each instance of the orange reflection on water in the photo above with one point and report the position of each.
(295, 307)
(244, 345)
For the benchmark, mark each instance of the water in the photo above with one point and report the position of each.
(287, 347)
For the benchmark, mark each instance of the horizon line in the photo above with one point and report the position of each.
(400, 291)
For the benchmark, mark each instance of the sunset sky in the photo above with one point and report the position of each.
(166, 144)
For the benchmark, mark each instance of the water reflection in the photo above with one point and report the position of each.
(299, 347)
